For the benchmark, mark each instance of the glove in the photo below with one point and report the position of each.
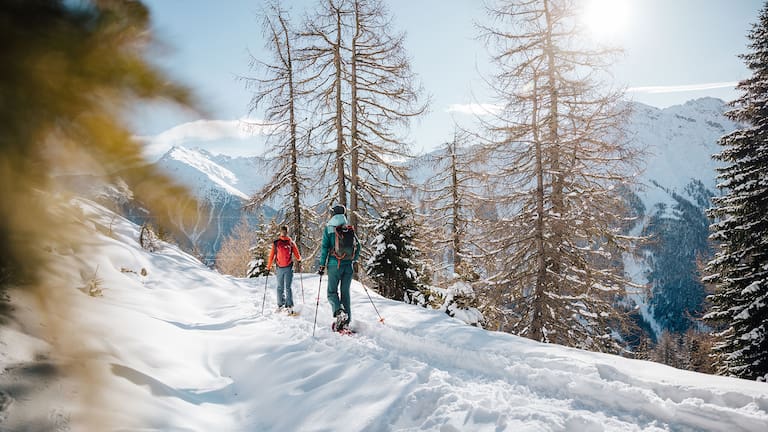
(298, 266)
(321, 270)
(355, 267)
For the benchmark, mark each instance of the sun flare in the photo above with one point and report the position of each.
(606, 19)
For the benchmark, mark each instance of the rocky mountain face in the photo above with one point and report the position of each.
(222, 185)
(676, 187)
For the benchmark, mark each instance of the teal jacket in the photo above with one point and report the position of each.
(329, 240)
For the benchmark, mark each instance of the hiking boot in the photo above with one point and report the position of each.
(341, 321)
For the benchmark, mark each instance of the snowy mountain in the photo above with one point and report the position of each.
(173, 346)
(678, 180)
(680, 141)
(214, 177)
(222, 185)
(675, 187)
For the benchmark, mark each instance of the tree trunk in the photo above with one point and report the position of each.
(537, 322)
(340, 148)
(456, 206)
(354, 145)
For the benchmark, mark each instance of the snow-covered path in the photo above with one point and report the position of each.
(421, 370)
(190, 350)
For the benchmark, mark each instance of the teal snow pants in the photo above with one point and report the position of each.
(339, 281)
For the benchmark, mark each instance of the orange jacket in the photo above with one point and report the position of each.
(283, 257)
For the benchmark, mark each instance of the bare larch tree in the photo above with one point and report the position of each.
(278, 90)
(560, 161)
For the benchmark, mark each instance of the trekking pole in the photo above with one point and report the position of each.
(301, 280)
(317, 305)
(381, 319)
(264, 300)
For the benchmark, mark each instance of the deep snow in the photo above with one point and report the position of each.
(188, 349)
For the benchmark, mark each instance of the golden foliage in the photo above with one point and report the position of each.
(70, 73)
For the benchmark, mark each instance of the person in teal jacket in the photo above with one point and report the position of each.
(340, 269)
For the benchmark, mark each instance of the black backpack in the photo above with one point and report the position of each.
(344, 243)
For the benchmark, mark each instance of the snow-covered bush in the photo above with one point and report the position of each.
(457, 300)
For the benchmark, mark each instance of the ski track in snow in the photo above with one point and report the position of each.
(503, 390)
(444, 387)
(192, 351)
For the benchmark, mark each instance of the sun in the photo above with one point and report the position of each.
(605, 19)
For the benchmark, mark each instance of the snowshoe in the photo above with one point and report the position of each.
(341, 325)
(342, 330)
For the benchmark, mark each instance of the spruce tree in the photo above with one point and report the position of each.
(392, 267)
(265, 237)
(739, 270)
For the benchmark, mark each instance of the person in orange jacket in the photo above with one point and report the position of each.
(282, 253)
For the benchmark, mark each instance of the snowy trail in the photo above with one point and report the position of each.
(187, 349)
(492, 381)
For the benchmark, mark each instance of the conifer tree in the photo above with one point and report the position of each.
(360, 80)
(279, 91)
(739, 269)
(391, 266)
(384, 97)
(265, 236)
(322, 51)
(558, 163)
(668, 351)
(449, 200)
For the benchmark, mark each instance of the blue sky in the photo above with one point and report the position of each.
(672, 47)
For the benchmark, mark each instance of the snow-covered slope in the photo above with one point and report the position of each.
(680, 141)
(190, 350)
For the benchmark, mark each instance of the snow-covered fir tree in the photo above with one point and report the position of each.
(265, 237)
(391, 266)
(740, 267)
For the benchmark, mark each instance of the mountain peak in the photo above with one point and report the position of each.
(195, 169)
(705, 106)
